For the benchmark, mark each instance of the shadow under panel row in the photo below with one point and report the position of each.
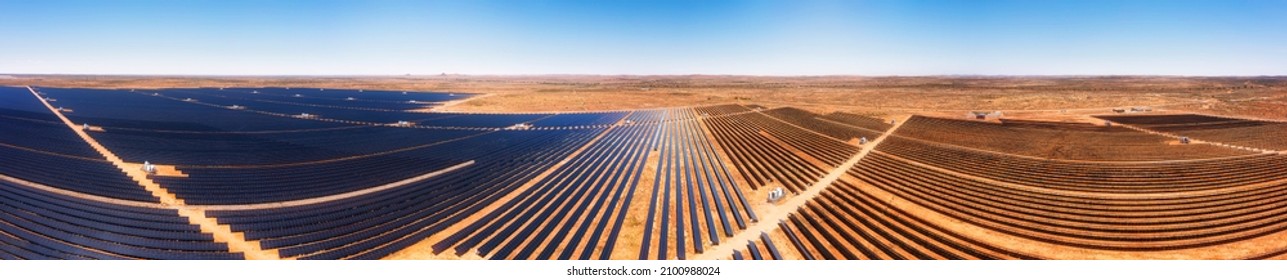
(35, 224)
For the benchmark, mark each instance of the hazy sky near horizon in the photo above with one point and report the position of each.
(802, 37)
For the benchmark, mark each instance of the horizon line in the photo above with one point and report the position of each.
(644, 75)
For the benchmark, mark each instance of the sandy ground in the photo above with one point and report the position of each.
(784, 245)
(161, 170)
(631, 239)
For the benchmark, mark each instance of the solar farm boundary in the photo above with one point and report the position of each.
(603, 111)
(237, 132)
(1259, 246)
(369, 123)
(1073, 193)
(768, 220)
(295, 103)
(1195, 140)
(1269, 245)
(1266, 245)
(1251, 118)
(426, 245)
(1174, 111)
(236, 241)
(366, 123)
(954, 146)
(908, 109)
(321, 119)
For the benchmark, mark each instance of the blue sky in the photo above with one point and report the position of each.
(802, 37)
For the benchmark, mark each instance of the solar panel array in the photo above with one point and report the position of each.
(302, 173)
